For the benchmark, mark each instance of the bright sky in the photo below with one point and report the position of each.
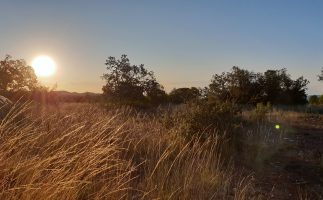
(183, 42)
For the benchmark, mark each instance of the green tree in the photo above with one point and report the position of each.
(239, 85)
(155, 93)
(321, 100)
(314, 100)
(279, 88)
(16, 75)
(183, 95)
(273, 86)
(296, 92)
(130, 84)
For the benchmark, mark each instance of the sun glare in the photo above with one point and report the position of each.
(43, 66)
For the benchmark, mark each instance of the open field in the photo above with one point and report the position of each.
(295, 171)
(161, 100)
(81, 151)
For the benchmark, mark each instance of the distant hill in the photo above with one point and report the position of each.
(65, 96)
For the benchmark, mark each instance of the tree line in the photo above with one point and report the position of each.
(132, 84)
(128, 84)
(315, 100)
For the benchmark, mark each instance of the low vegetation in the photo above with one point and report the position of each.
(135, 141)
(82, 152)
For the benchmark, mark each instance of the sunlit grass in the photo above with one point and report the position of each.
(83, 152)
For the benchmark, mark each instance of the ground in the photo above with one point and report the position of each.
(295, 171)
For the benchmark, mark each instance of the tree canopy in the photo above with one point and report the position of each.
(16, 75)
(239, 85)
(243, 86)
(321, 75)
(183, 95)
(314, 100)
(130, 84)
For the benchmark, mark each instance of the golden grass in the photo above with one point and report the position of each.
(83, 152)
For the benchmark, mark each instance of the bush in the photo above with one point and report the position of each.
(321, 99)
(202, 120)
(259, 113)
(184, 95)
(314, 100)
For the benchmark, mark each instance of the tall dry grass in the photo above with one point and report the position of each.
(84, 152)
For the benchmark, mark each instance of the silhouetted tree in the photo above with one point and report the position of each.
(271, 83)
(16, 75)
(182, 95)
(297, 91)
(321, 99)
(279, 88)
(314, 100)
(239, 85)
(321, 75)
(242, 86)
(130, 84)
(155, 93)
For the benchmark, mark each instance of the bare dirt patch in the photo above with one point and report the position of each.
(295, 171)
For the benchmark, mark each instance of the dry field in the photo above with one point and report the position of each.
(81, 151)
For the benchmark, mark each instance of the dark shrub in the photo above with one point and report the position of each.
(202, 120)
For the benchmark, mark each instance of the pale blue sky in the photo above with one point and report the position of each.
(183, 42)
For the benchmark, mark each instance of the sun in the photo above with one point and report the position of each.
(43, 66)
